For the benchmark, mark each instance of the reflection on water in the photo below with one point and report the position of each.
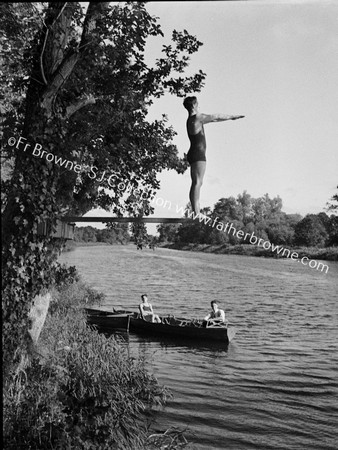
(167, 342)
(274, 386)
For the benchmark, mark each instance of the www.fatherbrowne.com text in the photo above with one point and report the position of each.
(251, 238)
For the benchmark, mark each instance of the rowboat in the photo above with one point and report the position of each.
(192, 329)
(170, 326)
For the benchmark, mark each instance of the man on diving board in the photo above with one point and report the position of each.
(196, 154)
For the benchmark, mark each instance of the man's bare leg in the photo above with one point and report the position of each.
(197, 171)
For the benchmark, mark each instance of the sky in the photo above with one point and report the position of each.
(276, 63)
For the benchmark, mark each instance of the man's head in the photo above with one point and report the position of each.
(214, 305)
(144, 297)
(190, 103)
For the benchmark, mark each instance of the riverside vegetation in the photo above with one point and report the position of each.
(315, 235)
(81, 390)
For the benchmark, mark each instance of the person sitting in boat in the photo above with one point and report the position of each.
(147, 312)
(216, 316)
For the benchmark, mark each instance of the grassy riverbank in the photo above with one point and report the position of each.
(329, 253)
(82, 390)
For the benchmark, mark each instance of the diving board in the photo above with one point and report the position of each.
(127, 219)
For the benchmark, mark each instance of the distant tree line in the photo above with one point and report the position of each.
(262, 216)
(116, 235)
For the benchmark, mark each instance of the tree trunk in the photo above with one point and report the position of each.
(28, 258)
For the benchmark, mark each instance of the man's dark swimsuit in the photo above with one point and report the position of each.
(197, 146)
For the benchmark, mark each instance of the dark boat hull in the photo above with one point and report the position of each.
(222, 334)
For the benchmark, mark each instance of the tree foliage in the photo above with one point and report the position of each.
(317, 230)
(333, 204)
(262, 216)
(119, 234)
(77, 89)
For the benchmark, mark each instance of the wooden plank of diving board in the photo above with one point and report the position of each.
(127, 219)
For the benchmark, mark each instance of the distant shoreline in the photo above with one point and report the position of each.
(325, 254)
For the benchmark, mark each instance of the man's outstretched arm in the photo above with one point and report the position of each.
(207, 118)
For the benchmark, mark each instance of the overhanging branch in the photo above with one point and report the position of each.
(71, 109)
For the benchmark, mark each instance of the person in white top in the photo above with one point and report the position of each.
(216, 316)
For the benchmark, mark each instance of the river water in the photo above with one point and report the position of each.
(276, 385)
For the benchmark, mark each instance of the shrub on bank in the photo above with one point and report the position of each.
(85, 392)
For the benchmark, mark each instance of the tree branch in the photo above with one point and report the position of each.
(63, 72)
(63, 41)
(41, 59)
(71, 109)
(67, 65)
(95, 9)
